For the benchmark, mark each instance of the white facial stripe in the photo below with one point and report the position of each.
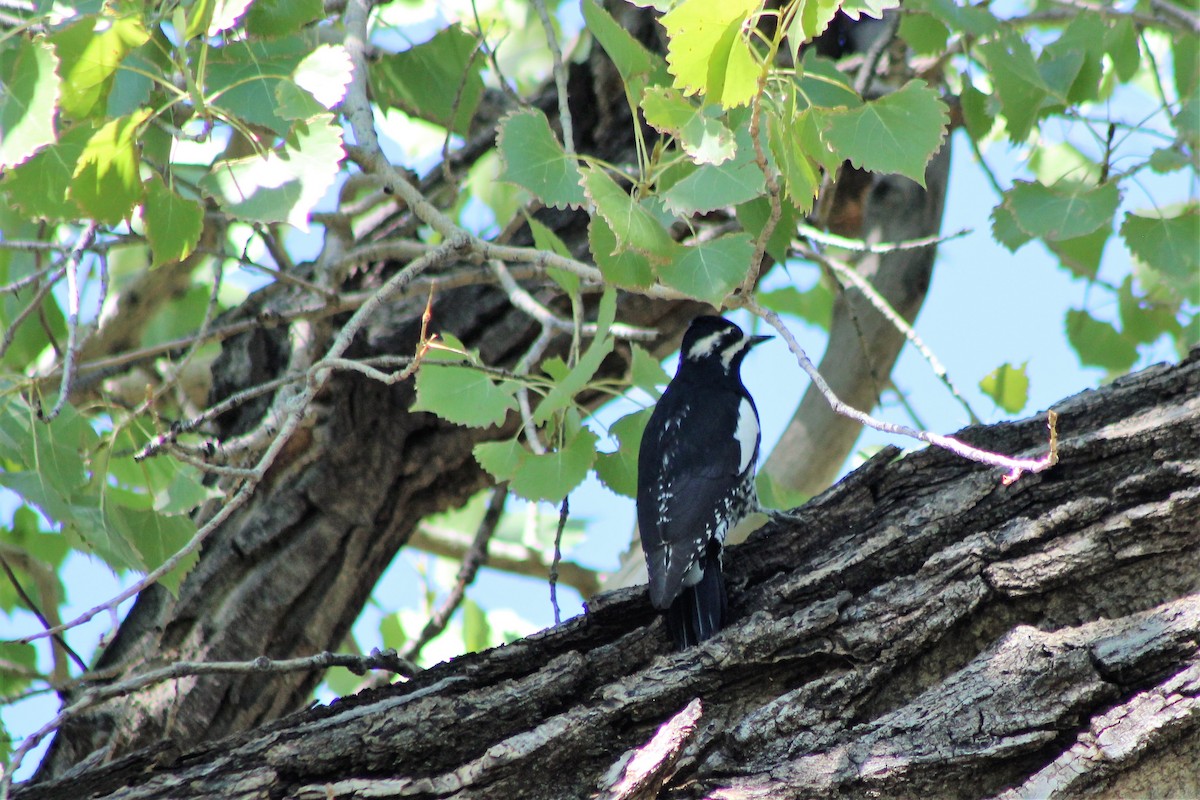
(746, 434)
(728, 354)
(705, 346)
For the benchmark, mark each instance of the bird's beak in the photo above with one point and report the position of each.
(757, 340)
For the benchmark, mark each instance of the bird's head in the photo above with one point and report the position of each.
(713, 341)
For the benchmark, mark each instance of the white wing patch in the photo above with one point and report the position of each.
(746, 434)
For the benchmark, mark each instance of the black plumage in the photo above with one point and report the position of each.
(696, 477)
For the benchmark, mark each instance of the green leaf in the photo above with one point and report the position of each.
(810, 21)
(646, 372)
(872, 8)
(712, 187)
(477, 634)
(814, 306)
(1063, 211)
(324, 73)
(500, 459)
(925, 34)
(618, 471)
(15, 654)
(89, 53)
(28, 91)
(534, 159)
(39, 186)
(710, 270)
(438, 80)
(708, 51)
(243, 78)
(801, 179)
(546, 239)
(754, 215)
(897, 133)
(1098, 343)
(1019, 84)
(283, 184)
(698, 129)
(976, 116)
(173, 224)
(1006, 231)
(1082, 254)
(107, 183)
(633, 225)
(637, 66)
(1142, 319)
(1170, 246)
(552, 476)
(563, 393)
(271, 18)
(156, 538)
(626, 268)
(463, 395)
(1008, 386)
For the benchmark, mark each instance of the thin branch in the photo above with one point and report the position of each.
(866, 70)
(511, 557)
(11, 331)
(475, 557)
(1016, 466)
(74, 341)
(564, 511)
(560, 78)
(847, 274)
(773, 191)
(37, 612)
(860, 246)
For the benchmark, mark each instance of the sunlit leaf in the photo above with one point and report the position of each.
(89, 52)
(698, 129)
(709, 50)
(1008, 386)
(173, 224)
(29, 88)
(107, 183)
(39, 186)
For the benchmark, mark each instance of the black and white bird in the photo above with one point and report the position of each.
(696, 477)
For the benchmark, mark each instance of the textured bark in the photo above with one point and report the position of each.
(919, 629)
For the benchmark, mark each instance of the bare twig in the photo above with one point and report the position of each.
(564, 511)
(860, 246)
(475, 557)
(847, 274)
(1016, 466)
(518, 559)
(37, 612)
(74, 341)
(560, 78)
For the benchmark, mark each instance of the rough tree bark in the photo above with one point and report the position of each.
(918, 629)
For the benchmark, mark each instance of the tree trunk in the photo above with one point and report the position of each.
(918, 629)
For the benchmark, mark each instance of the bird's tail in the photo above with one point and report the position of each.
(699, 611)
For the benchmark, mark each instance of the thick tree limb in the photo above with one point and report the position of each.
(919, 629)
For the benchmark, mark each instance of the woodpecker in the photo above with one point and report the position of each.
(696, 477)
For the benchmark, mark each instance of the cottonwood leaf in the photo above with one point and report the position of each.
(710, 270)
(107, 183)
(39, 186)
(1099, 343)
(637, 66)
(282, 184)
(1064, 211)
(626, 268)
(1008, 386)
(463, 395)
(634, 227)
(897, 133)
(1170, 246)
(173, 224)
(563, 393)
(552, 476)
(438, 80)
(709, 52)
(618, 470)
(698, 129)
(534, 159)
(29, 90)
(89, 52)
